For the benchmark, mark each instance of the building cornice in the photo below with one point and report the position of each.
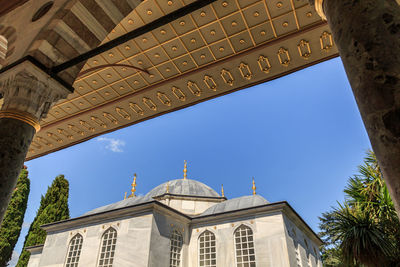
(148, 207)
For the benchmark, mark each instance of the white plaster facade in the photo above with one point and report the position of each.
(144, 227)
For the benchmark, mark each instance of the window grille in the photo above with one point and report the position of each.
(244, 244)
(107, 251)
(175, 250)
(74, 251)
(207, 250)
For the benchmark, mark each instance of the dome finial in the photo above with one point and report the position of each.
(185, 170)
(125, 195)
(222, 190)
(167, 191)
(133, 190)
(254, 187)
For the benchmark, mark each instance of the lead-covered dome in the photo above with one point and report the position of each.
(183, 187)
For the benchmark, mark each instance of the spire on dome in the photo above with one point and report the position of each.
(254, 187)
(222, 191)
(167, 191)
(133, 190)
(185, 170)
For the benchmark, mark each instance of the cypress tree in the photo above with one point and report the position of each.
(14, 217)
(53, 207)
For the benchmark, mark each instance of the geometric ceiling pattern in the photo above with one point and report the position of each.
(226, 46)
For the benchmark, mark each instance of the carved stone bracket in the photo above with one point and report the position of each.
(29, 92)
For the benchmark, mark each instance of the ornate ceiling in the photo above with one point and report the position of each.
(226, 46)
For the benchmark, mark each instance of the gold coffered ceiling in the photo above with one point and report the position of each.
(226, 46)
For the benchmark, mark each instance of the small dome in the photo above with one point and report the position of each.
(236, 204)
(184, 187)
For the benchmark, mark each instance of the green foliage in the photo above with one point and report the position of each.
(365, 230)
(53, 207)
(14, 217)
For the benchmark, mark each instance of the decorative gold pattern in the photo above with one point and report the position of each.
(326, 41)
(149, 103)
(210, 83)
(164, 99)
(133, 190)
(227, 77)
(110, 117)
(76, 129)
(98, 122)
(304, 49)
(194, 88)
(263, 63)
(258, 23)
(185, 170)
(178, 93)
(54, 137)
(65, 133)
(284, 57)
(245, 71)
(136, 108)
(122, 112)
(44, 141)
(87, 125)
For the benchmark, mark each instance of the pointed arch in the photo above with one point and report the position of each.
(207, 249)
(244, 247)
(74, 251)
(107, 249)
(176, 243)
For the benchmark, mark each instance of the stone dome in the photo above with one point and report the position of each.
(184, 187)
(239, 203)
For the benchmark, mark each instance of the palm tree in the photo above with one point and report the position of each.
(365, 230)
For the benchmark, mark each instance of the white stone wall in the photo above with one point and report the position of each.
(34, 260)
(162, 228)
(144, 241)
(132, 248)
(191, 207)
(303, 252)
(269, 236)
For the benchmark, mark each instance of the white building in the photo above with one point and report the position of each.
(181, 223)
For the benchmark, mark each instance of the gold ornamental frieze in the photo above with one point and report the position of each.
(200, 59)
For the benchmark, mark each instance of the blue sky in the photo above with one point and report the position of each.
(300, 136)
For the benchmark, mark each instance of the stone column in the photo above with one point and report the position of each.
(367, 33)
(27, 93)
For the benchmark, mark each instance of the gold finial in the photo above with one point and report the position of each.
(222, 190)
(185, 171)
(133, 190)
(125, 195)
(167, 191)
(254, 187)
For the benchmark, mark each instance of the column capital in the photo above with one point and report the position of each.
(319, 8)
(28, 93)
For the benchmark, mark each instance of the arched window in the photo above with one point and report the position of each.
(207, 250)
(244, 246)
(175, 249)
(107, 250)
(74, 251)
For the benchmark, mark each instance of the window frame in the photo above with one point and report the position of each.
(68, 264)
(101, 246)
(215, 246)
(171, 246)
(235, 244)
